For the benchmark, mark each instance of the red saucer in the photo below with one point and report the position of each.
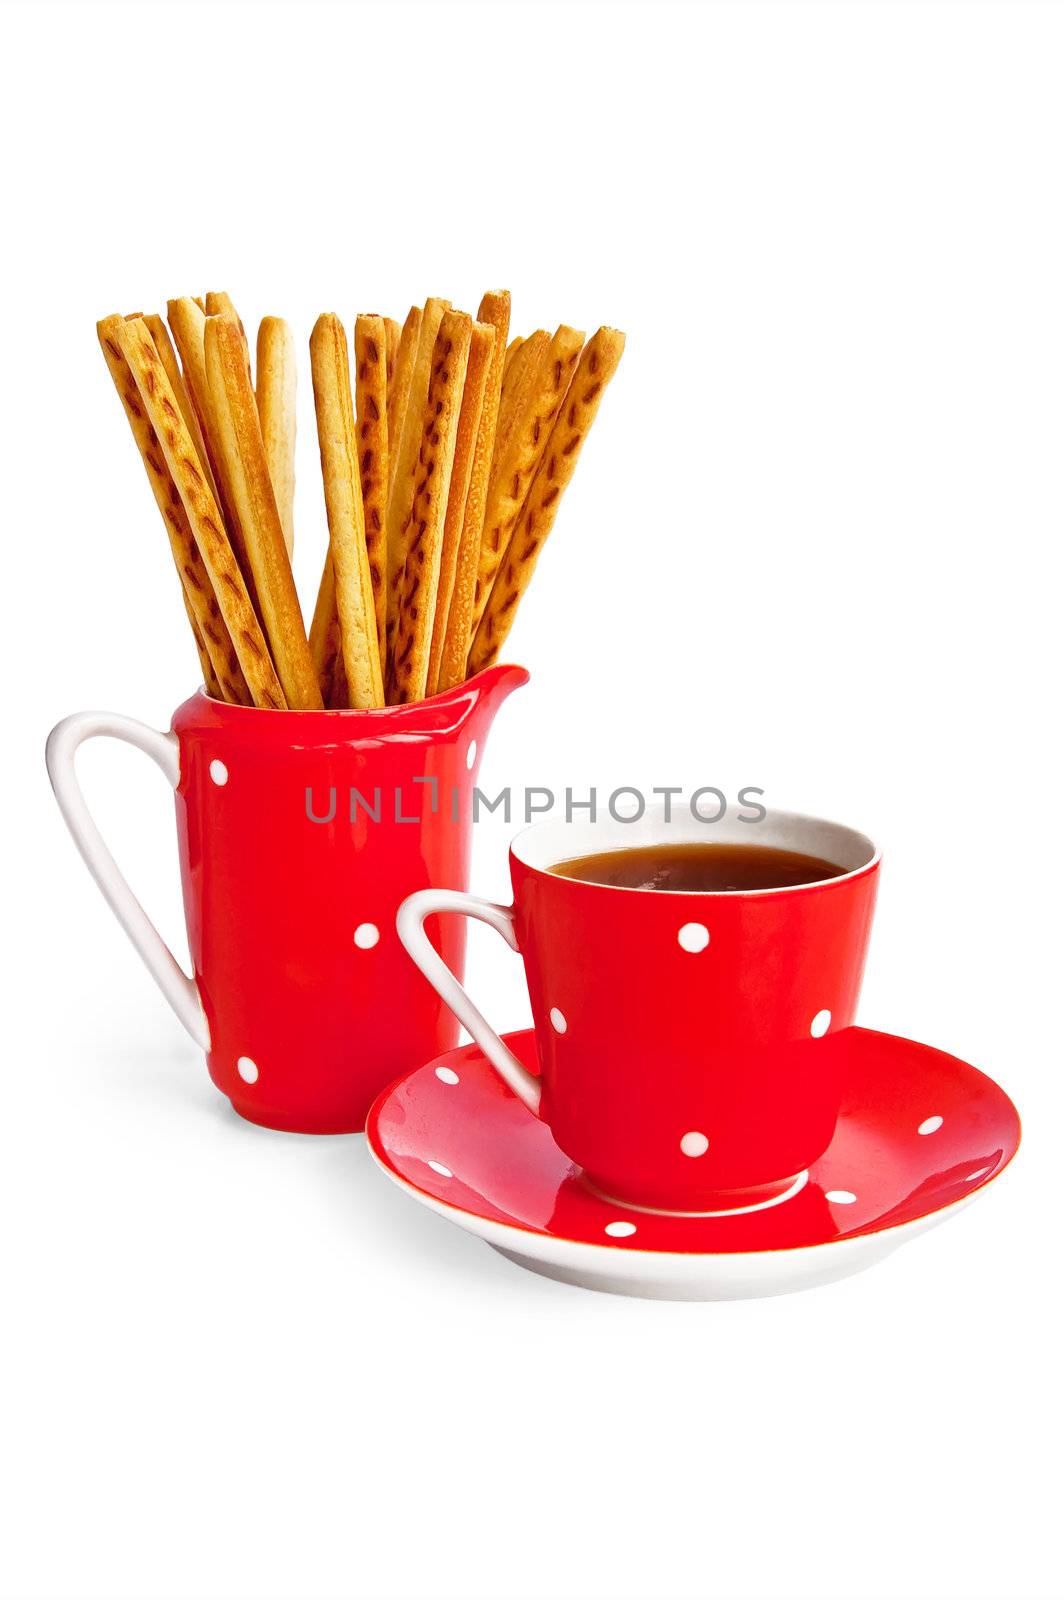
(919, 1132)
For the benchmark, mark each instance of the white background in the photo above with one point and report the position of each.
(813, 545)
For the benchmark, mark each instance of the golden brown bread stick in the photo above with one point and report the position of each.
(481, 347)
(187, 324)
(494, 310)
(220, 305)
(201, 508)
(168, 356)
(392, 332)
(343, 504)
(597, 365)
(511, 350)
(512, 471)
(238, 440)
(399, 385)
(325, 629)
(339, 695)
(208, 626)
(517, 385)
(371, 423)
(405, 453)
(210, 678)
(424, 532)
(275, 397)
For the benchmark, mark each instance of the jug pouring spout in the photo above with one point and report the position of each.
(473, 703)
(494, 685)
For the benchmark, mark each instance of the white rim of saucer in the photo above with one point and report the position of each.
(487, 1226)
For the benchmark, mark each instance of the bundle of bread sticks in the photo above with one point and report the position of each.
(445, 451)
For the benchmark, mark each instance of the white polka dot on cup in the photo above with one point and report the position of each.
(219, 773)
(447, 1075)
(619, 1230)
(820, 1024)
(694, 1144)
(930, 1125)
(367, 935)
(247, 1069)
(557, 1020)
(840, 1197)
(438, 1166)
(693, 937)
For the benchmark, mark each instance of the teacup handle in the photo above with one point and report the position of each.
(63, 741)
(410, 924)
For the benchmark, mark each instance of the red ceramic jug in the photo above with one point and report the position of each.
(299, 835)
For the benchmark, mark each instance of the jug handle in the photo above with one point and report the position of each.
(410, 925)
(63, 742)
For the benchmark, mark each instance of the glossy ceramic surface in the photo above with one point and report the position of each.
(299, 833)
(919, 1134)
(691, 1045)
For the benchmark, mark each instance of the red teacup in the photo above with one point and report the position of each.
(691, 1045)
(302, 997)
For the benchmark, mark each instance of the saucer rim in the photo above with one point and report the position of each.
(448, 1209)
(897, 1232)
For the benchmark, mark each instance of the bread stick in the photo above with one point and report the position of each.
(511, 350)
(210, 677)
(325, 642)
(424, 532)
(513, 471)
(343, 504)
(597, 365)
(220, 305)
(481, 346)
(202, 607)
(238, 440)
(325, 630)
(399, 385)
(187, 324)
(160, 407)
(339, 695)
(168, 356)
(275, 398)
(392, 333)
(408, 442)
(517, 386)
(494, 310)
(371, 424)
